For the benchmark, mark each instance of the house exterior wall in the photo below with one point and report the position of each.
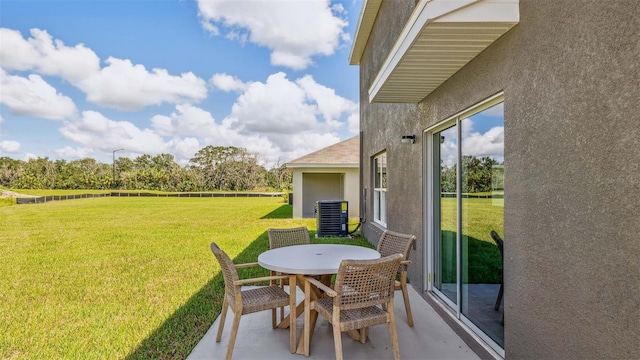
(569, 73)
(351, 184)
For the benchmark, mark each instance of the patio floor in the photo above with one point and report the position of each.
(430, 338)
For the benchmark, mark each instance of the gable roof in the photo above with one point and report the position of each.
(343, 154)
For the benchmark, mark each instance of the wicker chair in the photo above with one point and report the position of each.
(249, 301)
(287, 237)
(500, 244)
(361, 285)
(396, 243)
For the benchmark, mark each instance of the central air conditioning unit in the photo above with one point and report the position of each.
(331, 217)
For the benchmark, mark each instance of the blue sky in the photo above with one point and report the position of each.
(83, 78)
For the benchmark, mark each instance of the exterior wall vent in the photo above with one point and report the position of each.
(331, 217)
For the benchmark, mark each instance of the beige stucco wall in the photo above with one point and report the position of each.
(569, 72)
(350, 191)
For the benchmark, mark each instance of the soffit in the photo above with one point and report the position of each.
(440, 38)
(367, 17)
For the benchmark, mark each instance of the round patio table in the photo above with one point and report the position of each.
(313, 259)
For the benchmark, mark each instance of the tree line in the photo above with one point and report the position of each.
(213, 168)
(483, 174)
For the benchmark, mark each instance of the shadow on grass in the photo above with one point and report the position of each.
(180, 333)
(283, 212)
(483, 260)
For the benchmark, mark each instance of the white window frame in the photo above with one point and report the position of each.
(380, 184)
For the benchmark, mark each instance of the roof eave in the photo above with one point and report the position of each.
(367, 17)
(440, 38)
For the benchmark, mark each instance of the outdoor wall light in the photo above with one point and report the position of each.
(408, 139)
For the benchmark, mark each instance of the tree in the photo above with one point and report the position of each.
(10, 170)
(280, 177)
(228, 168)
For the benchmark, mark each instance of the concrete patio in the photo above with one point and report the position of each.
(430, 338)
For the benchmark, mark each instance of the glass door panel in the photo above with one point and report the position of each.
(445, 276)
(482, 211)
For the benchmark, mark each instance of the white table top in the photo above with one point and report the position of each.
(313, 259)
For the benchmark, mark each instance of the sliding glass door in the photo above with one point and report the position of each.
(467, 206)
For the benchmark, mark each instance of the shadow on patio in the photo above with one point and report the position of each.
(430, 338)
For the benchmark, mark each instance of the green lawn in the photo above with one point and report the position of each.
(481, 256)
(111, 278)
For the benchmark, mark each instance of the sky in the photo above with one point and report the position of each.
(86, 78)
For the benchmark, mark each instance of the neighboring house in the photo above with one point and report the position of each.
(332, 173)
(525, 116)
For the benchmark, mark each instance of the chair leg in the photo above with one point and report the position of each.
(337, 340)
(234, 332)
(223, 316)
(292, 318)
(405, 296)
(306, 329)
(394, 333)
(499, 299)
(274, 323)
(364, 332)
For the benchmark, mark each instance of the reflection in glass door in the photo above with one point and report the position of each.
(446, 274)
(467, 205)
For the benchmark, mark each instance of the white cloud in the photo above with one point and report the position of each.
(228, 83)
(330, 105)
(102, 134)
(475, 143)
(490, 143)
(281, 106)
(126, 86)
(496, 110)
(277, 106)
(353, 122)
(120, 84)
(187, 120)
(29, 156)
(33, 96)
(9, 146)
(44, 55)
(184, 149)
(69, 152)
(295, 31)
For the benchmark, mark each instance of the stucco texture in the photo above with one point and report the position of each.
(569, 73)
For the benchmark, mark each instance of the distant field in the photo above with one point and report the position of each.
(113, 278)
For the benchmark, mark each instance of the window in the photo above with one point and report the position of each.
(380, 189)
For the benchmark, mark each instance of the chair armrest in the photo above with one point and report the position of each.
(329, 291)
(260, 279)
(241, 266)
(405, 262)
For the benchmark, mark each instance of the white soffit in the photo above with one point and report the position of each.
(440, 38)
(367, 17)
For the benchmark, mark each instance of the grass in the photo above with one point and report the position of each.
(129, 278)
(481, 256)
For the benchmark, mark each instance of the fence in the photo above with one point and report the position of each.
(43, 199)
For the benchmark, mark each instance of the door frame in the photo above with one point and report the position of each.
(430, 215)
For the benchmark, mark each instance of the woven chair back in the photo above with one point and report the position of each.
(364, 283)
(229, 273)
(499, 242)
(396, 243)
(287, 237)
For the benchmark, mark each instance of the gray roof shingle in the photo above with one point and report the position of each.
(341, 154)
